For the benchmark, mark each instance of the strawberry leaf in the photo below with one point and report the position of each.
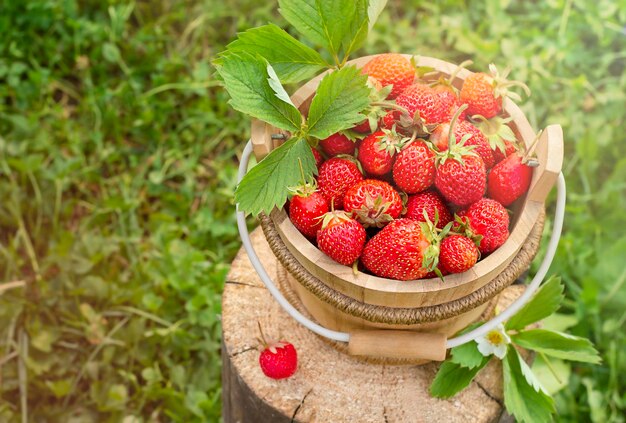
(452, 378)
(524, 397)
(292, 60)
(557, 344)
(546, 301)
(341, 97)
(265, 186)
(246, 79)
(467, 355)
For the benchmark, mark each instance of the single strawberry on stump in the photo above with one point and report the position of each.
(431, 203)
(377, 151)
(461, 176)
(391, 69)
(336, 176)
(487, 221)
(341, 238)
(483, 93)
(457, 254)
(373, 203)
(414, 168)
(402, 250)
(278, 359)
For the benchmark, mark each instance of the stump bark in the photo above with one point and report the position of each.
(329, 386)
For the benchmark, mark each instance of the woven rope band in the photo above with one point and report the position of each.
(403, 316)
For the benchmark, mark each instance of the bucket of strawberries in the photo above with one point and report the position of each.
(401, 193)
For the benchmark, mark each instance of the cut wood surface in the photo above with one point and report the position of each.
(329, 386)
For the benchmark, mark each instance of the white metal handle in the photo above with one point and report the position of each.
(451, 343)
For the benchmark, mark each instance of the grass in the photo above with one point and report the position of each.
(117, 166)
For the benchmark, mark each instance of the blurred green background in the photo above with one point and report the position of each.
(118, 155)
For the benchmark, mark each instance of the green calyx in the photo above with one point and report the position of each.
(501, 84)
(434, 235)
(448, 82)
(391, 141)
(496, 130)
(306, 187)
(456, 150)
(462, 227)
(374, 212)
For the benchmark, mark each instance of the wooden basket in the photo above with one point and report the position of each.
(339, 300)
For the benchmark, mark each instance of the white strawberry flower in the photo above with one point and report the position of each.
(494, 342)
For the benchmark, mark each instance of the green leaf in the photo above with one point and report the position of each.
(374, 10)
(328, 23)
(276, 86)
(246, 80)
(452, 378)
(523, 396)
(292, 60)
(359, 26)
(467, 355)
(546, 301)
(553, 375)
(557, 344)
(341, 97)
(265, 186)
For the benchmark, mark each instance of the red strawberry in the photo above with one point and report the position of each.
(423, 105)
(337, 144)
(489, 219)
(457, 254)
(483, 92)
(278, 360)
(306, 208)
(433, 204)
(377, 151)
(388, 120)
(509, 148)
(449, 102)
(509, 179)
(373, 202)
(500, 136)
(341, 238)
(462, 129)
(414, 169)
(335, 177)
(391, 69)
(318, 157)
(398, 251)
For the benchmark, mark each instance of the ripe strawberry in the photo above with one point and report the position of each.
(423, 105)
(473, 135)
(433, 204)
(388, 120)
(414, 169)
(457, 254)
(484, 92)
(373, 202)
(341, 238)
(306, 208)
(499, 135)
(335, 177)
(509, 179)
(337, 144)
(449, 102)
(279, 359)
(377, 151)
(318, 157)
(398, 251)
(488, 219)
(509, 148)
(391, 69)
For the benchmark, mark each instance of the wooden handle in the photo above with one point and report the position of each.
(398, 344)
(550, 146)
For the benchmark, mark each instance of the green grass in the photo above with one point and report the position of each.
(118, 156)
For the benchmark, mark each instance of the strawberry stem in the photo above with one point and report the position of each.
(451, 137)
(528, 155)
(262, 335)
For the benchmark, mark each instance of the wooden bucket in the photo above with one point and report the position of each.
(342, 301)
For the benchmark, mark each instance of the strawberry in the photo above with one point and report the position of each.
(509, 148)
(279, 359)
(337, 144)
(423, 106)
(399, 251)
(457, 254)
(441, 133)
(377, 151)
(391, 69)
(509, 179)
(500, 136)
(373, 202)
(461, 176)
(335, 177)
(318, 157)
(414, 168)
(341, 238)
(306, 208)
(433, 204)
(449, 102)
(488, 219)
(483, 92)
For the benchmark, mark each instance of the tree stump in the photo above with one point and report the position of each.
(329, 386)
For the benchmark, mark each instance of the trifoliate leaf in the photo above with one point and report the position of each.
(327, 23)
(265, 186)
(467, 355)
(246, 80)
(552, 373)
(523, 396)
(357, 32)
(292, 60)
(546, 301)
(452, 378)
(277, 86)
(557, 344)
(341, 97)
